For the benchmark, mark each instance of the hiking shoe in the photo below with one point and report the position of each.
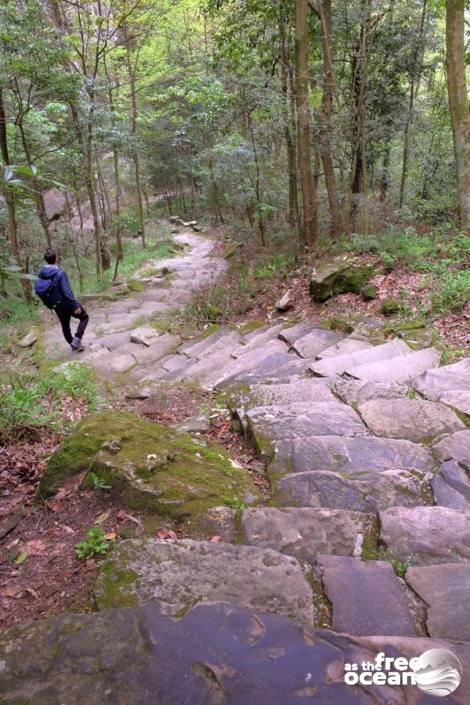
(76, 345)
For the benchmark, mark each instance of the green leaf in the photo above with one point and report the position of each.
(21, 558)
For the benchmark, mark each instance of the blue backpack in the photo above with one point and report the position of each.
(48, 291)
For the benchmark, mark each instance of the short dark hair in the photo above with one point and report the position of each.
(50, 255)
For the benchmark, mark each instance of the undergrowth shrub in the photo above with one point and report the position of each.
(32, 401)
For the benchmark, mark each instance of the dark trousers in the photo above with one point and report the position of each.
(64, 313)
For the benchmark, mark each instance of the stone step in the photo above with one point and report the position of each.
(247, 363)
(367, 597)
(146, 355)
(183, 573)
(451, 486)
(366, 492)
(427, 534)
(193, 348)
(348, 455)
(291, 334)
(268, 425)
(341, 363)
(458, 400)
(311, 344)
(410, 419)
(258, 338)
(304, 532)
(398, 369)
(302, 391)
(220, 346)
(352, 343)
(454, 447)
(279, 367)
(446, 591)
(355, 391)
(450, 378)
(212, 654)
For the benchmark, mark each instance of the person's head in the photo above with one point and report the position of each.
(50, 256)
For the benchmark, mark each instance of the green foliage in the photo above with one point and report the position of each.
(278, 267)
(99, 483)
(31, 401)
(95, 544)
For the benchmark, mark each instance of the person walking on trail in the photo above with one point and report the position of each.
(53, 288)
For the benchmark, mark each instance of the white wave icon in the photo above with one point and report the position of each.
(438, 672)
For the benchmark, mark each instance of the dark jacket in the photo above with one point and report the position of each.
(52, 271)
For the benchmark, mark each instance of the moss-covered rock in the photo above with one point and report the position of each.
(369, 292)
(339, 276)
(153, 466)
(390, 306)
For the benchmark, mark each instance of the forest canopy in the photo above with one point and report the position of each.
(292, 121)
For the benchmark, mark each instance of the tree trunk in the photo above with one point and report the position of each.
(359, 82)
(458, 102)
(336, 226)
(289, 129)
(10, 202)
(309, 196)
(135, 156)
(415, 76)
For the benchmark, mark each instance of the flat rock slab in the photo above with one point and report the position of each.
(183, 573)
(351, 344)
(220, 340)
(348, 455)
(268, 424)
(427, 534)
(311, 344)
(367, 597)
(340, 363)
(144, 335)
(449, 378)
(354, 391)
(302, 391)
(147, 354)
(293, 333)
(459, 400)
(411, 419)
(214, 654)
(371, 493)
(451, 486)
(446, 590)
(398, 369)
(276, 367)
(113, 365)
(304, 532)
(258, 338)
(454, 447)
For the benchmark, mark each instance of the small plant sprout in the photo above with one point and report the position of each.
(96, 544)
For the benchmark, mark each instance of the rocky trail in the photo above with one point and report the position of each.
(367, 449)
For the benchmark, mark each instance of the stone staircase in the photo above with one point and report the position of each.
(367, 451)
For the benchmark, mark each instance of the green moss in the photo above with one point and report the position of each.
(250, 327)
(116, 584)
(337, 323)
(390, 306)
(339, 277)
(369, 292)
(153, 467)
(136, 285)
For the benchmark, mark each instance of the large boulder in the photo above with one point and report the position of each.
(153, 466)
(340, 276)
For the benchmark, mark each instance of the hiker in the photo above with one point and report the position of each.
(53, 288)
